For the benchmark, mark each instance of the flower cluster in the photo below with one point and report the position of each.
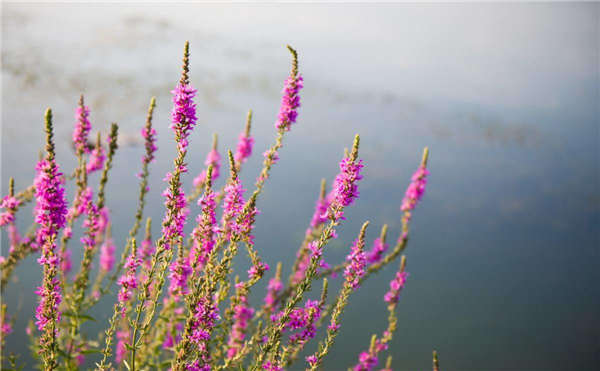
(357, 261)
(128, 281)
(9, 203)
(96, 161)
(345, 187)
(107, 255)
(149, 135)
(416, 189)
(368, 360)
(184, 315)
(242, 314)
(233, 204)
(183, 115)
(244, 148)
(290, 101)
(396, 285)
(82, 128)
(213, 158)
(376, 253)
(273, 290)
(180, 271)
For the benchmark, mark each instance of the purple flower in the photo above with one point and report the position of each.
(257, 270)
(107, 255)
(65, 262)
(128, 280)
(180, 271)
(366, 362)
(233, 205)
(376, 253)
(303, 319)
(205, 316)
(345, 188)
(244, 148)
(150, 144)
(396, 285)
(271, 366)
(242, 314)
(320, 215)
(82, 128)
(183, 115)
(174, 220)
(273, 290)
(203, 234)
(312, 360)
(96, 161)
(290, 101)
(50, 213)
(357, 261)
(213, 158)
(121, 351)
(415, 190)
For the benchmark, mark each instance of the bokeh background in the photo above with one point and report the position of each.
(503, 258)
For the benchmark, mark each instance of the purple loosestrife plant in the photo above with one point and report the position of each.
(204, 319)
(245, 143)
(50, 214)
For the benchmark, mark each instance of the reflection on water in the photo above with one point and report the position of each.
(503, 253)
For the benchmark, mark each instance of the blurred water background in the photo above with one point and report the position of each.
(503, 257)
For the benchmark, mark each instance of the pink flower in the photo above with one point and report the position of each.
(415, 190)
(396, 286)
(180, 271)
(128, 280)
(345, 188)
(213, 158)
(377, 251)
(183, 115)
(96, 161)
(290, 101)
(82, 128)
(242, 314)
(244, 148)
(107, 255)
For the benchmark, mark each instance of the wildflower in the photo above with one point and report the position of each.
(312, 360)
(244, 148)
(128, 280)
(149, 135)
(213, 158)
(107, 255)
(65, 262)
(96, 160)
(9, 203)
(82, 128)
(273, 290)
(396, 285)
(233, 204)
(207, 226)
(245, 142)
(257, 270)
(50, 213)
(205, 316)
(290, 101)
(121, 351)
(271, 366)
(416, 188)
(183, 115)
(180, 271)
(345, 188)
(376, 253)
(320, 214)
(241, 316)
